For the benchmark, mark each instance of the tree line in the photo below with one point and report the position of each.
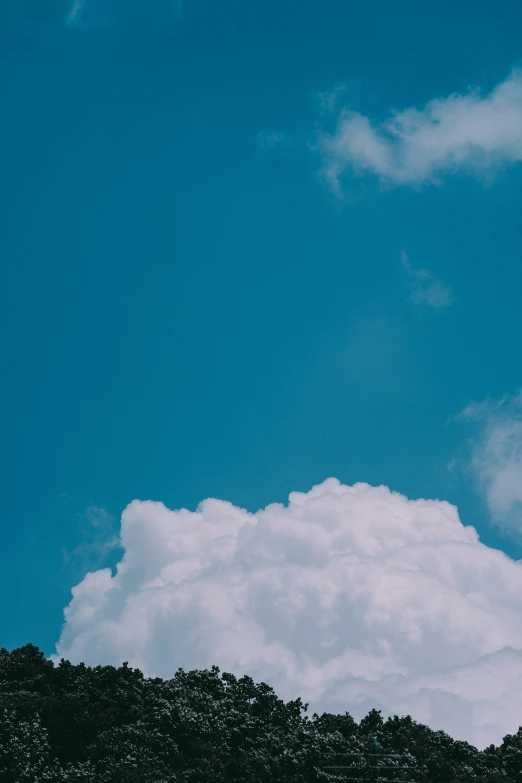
(70, 723)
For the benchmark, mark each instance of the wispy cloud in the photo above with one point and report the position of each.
(98, 536)
(74, 14)
(329, 98)
(468, 132)
(89, 14)
(425, 288)
(496, 458)
(267, 140)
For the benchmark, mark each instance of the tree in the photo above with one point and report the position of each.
(105, 724)
(24, 749)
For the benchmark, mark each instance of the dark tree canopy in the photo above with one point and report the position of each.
(81, 724)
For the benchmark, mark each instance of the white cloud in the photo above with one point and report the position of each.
(426, 289)
(351, 597)
(467, 132)
(497, 458)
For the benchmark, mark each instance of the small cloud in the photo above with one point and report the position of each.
(267, 140)
(477, 411)
(468, 132)
(328, 99)
(98, 537)
(496, 458)
(97, 517)
(88, 14)
(426, 289)
(73, 17)
(452, 464)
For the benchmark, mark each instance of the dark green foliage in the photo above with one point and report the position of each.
(77, 724)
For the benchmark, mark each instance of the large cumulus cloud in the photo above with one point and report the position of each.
(351, 597)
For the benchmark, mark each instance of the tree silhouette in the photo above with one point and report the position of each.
(102, 724)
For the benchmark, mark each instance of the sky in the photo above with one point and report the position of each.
(262, 346)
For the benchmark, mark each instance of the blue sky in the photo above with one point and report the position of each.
(209, 293)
